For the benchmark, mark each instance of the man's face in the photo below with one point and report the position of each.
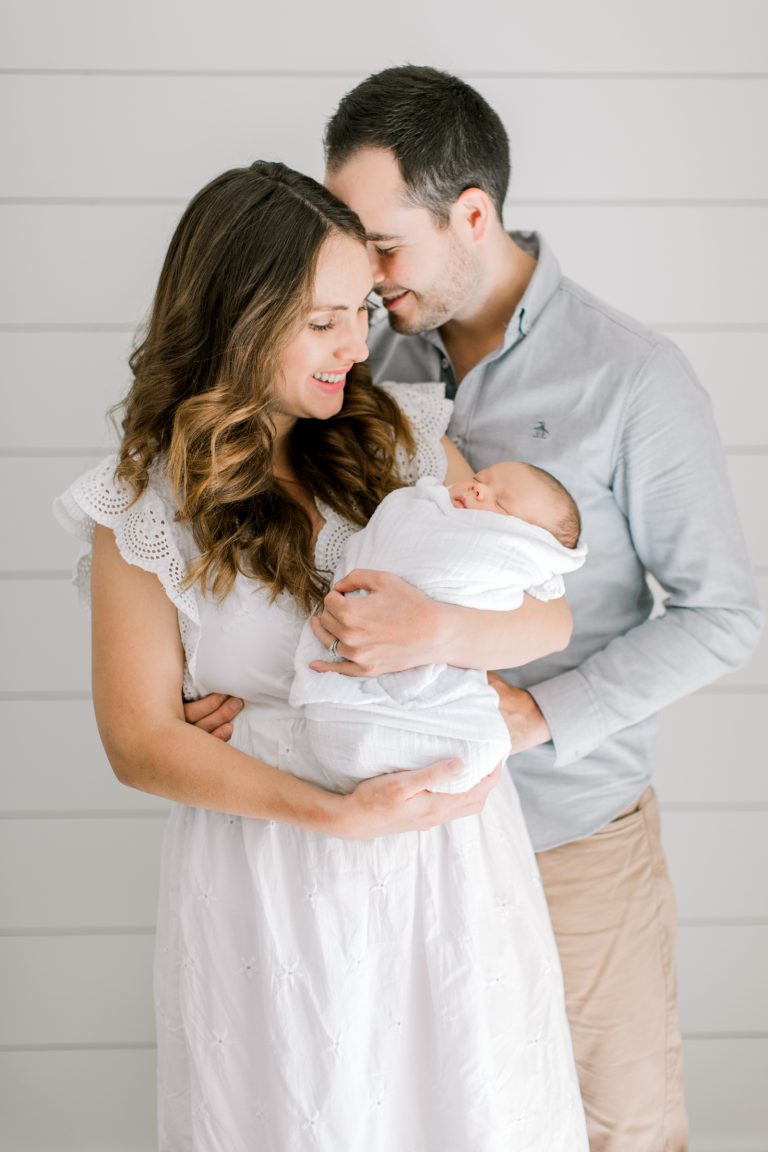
(424, 273)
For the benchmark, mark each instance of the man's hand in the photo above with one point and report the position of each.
(213, 714)
(394, 627)
(527, 727)
(401, 802)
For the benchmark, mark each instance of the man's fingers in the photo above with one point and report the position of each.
(224, 732)
(195, 710)
(212, 712)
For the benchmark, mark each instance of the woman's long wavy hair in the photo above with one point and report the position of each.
(235, 287)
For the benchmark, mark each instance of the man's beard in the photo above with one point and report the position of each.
(436, 306)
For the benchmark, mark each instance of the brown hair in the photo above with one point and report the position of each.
(235, 287)
(567, 527)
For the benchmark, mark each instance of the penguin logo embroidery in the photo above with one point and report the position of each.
(540, 430)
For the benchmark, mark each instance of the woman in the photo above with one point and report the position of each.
(314, 989)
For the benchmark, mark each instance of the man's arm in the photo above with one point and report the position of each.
(670, 482)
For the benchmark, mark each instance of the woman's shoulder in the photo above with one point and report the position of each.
(145, 526)
(425, 404)
(100, 496)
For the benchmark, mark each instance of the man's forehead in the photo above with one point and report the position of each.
(369, 182)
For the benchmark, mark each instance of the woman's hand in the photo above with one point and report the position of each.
(396, 626)
(402, 802)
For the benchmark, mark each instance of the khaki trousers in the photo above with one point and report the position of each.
(613, 912)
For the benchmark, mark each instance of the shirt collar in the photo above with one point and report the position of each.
(541, 288)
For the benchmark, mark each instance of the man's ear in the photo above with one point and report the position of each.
(473, 213)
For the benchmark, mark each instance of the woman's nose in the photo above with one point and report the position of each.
(353, 348)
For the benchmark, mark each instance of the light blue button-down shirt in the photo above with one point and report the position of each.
(617, 414)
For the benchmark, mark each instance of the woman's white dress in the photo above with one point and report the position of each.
(401, 994)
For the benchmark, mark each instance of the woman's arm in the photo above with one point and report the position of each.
(138, 665)
(396, 626)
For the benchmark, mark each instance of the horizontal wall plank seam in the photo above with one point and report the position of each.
(149, 929)
(160, 813)
(665, 326)
(51, 694)
(63, 694)
(756, 1035)
(116, 326)
(22, 931)
(732, 690)
(148, 1046)
(722, 922)
(97, 813)
(531, 202)
(713, 806)
(104, 1046)
(130, 930)
(35, 574)
(8, 452)
(330, 74)
(66, 574)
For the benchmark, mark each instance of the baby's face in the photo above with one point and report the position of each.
(510, 488)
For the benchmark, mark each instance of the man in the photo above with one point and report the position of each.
(543, 372)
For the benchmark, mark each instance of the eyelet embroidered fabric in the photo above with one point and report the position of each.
(145, 535)
(428, 412)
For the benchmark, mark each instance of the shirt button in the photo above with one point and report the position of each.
(443, 362)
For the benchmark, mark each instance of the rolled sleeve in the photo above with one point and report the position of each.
(573, 715)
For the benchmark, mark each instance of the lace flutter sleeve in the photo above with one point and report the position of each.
(428, 411)
(145, 532)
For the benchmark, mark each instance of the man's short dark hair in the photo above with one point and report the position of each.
(444, 135)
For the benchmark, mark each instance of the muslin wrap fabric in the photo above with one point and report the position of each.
(360, 727)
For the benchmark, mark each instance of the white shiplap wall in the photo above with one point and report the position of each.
(639, 149)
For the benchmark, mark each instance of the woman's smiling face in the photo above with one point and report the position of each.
(314, 365)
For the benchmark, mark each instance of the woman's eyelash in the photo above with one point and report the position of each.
(370, 306)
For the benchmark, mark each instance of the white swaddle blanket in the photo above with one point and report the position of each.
(360, 727)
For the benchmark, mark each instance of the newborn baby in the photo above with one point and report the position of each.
(482, 543)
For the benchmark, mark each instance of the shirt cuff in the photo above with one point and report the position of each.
(573, 714)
